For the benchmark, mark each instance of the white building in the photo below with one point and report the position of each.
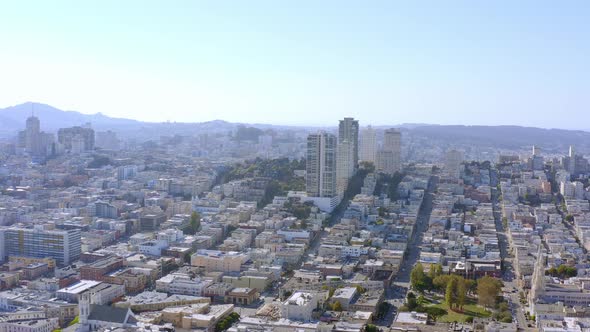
(321, 165)
(368, 145)
(453, 160)
(34, 325)
(299, 306)
(152, 248)
(345, 165)
(178, 283)
(389, 157)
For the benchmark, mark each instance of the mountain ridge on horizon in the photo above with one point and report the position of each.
(14, 115)
(12, 120)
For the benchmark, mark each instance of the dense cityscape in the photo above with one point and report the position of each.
(344, 228)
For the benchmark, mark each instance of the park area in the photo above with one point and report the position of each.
(452, 298)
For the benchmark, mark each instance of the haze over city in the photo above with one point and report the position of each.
(303, 63)
(274, 166)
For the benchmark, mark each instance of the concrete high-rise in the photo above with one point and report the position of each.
(389, 158)
(76, 139)
(345, 165)
(33, 136)
(348, 130)
(62, 245)
(368, 145)
(453, 160)
(321, 165)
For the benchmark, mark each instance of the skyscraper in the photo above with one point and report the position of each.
(348, 130)
(368, 145)
(453, 160)
(345, 165)
(321, 165)
(33, 136)
(389, 157)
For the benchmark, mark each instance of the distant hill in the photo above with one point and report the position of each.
(506, 136)
(13, 118)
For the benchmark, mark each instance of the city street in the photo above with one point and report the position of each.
(397, 293)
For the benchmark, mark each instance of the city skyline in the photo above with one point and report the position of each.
(467, 63)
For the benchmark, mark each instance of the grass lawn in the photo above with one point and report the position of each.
(470, 309)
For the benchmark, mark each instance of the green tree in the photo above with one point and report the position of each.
(418, 278)
(435, 312)
(371, 328)
(488, 289)
(411, 301)
(461, 292)
(440, 282)
(336, 306)
(552, 271)
(471, 286)
(450, 293)
(435, 271)
(194, 224)
(571, 272)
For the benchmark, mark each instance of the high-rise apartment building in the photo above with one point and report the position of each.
(345, 165)
(453, 160)
(348, 130)
(321, 165)
(76, 139)
(368, 145)
(389, 158)
(62, 245)
(107, 140)
(33, 136)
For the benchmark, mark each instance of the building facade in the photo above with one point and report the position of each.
(389, 157)
(62, 245)
(321, 165)
(368, 145)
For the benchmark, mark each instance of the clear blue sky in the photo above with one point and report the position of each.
(303, 62)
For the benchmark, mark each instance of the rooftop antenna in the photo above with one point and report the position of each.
(32, 109)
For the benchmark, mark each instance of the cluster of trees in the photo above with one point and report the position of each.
(354, 187)
(371, 328)
(387, 184)
(421, 281)
(226, 322)
(503, 313)
(488, 290)
(419, 305)
(301, 211)
(280, 170)
(194, 224)
(99, 161)
(336, 306)
(562, 271)
(456, 288)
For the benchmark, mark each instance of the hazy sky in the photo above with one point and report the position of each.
(302, 62)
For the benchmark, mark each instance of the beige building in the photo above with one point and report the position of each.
(214, 260)
(154, 301)
(196, 316)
